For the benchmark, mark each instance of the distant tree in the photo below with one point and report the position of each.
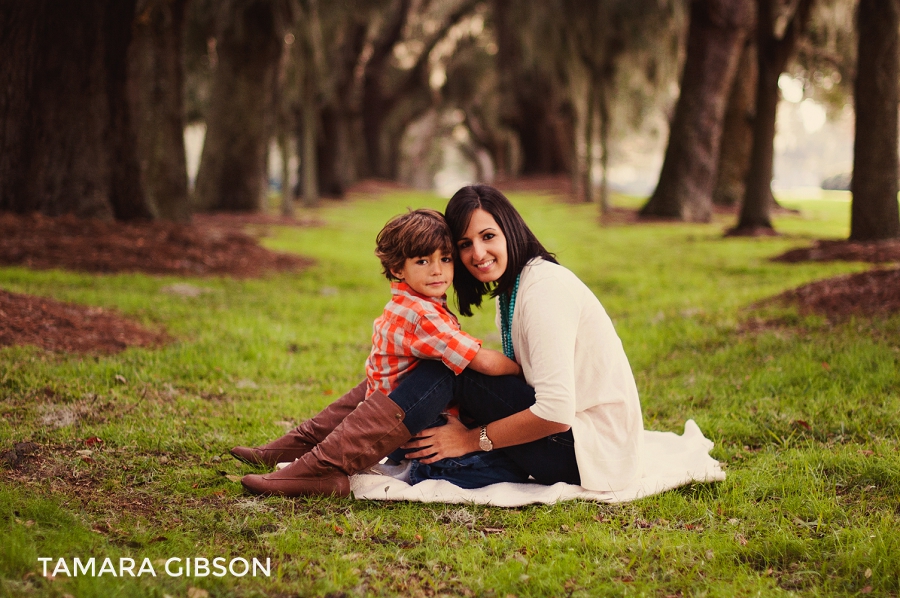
(576, 68)
(601, 40)
(716, 37)
(737, 131)
(780, 25)
(248, 45)
(472, 90)
(68, 141)
(376, 101)
(597, 38)
(156, 59)
(534, 103)
(334, 43)
(825, 63)
(826, 54)
(357, 76)
(874, 212)
(394, 97)
(301, 82)
(199, 58)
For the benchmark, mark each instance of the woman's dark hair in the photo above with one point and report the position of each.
(521, 244)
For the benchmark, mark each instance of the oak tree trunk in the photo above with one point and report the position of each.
(756, 208)
(232, 174)
(601, 140)
(285, 147)
(126, 192)
(874, 211)
(772, 54)
(67, 142)
(737, 132)
(715, 38)
(335, 165)
(545, 131)
(532, 106)
(580, 89)
(158, 94)
(308, 153)
(391, 100)
(376, 99)
(340, 160)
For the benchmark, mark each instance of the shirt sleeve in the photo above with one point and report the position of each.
(550, 317)
(438, 337)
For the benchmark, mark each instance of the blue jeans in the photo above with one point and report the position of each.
(470, 471)
(430, 387)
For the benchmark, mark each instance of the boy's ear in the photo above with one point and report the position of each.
(398, 274)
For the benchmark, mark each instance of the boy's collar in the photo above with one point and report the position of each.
(398, 287)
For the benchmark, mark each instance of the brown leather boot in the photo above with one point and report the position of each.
(372, 431)
(304, 437)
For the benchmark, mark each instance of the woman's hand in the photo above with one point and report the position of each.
(450, 440)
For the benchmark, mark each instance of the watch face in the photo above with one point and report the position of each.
(484, 443)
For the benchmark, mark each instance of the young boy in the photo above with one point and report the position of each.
(416, 253)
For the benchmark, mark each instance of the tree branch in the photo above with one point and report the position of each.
(384, 44)
(415, 75)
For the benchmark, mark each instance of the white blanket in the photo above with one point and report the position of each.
(669, 461)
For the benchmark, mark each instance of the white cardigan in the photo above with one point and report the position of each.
(571, 355)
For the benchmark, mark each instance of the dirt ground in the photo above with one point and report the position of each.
(866, 293)
(212, 245)
(67, 327)
(881, 252)
(219, 245)
(876, 292)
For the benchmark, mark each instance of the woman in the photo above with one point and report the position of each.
(576, 418)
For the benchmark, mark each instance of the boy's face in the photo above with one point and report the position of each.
(429, 275)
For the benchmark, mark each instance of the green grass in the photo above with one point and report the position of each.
(804, 414)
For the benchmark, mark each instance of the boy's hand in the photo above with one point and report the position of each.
(451, 440)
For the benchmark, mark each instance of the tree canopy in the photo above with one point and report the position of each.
(95, 99)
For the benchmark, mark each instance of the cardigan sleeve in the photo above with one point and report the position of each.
(549, 314)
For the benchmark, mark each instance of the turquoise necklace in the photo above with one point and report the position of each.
(507, 307)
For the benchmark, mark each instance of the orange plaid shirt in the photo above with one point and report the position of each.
(415, 327)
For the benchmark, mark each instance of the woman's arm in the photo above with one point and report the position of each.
(454, 439)
(494, 363)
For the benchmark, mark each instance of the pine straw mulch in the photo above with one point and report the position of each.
(875, 292)
(70, 328)
(212, 245)
(879, 252)
(872, 293)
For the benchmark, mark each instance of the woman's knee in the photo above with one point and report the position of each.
(490, 398)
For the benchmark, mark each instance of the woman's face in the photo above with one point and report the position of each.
(482, 247)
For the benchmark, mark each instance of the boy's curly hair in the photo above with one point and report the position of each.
(414, 234)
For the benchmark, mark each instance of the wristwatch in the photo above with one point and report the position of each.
(484, 443)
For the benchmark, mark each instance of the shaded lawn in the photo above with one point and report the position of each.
(133, 447)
